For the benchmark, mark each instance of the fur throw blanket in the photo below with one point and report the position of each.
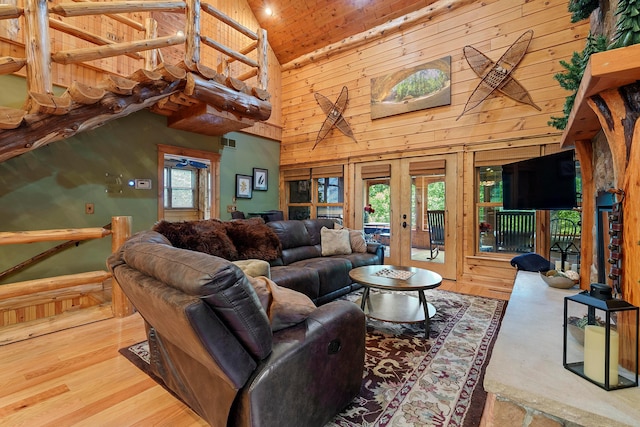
(231, 240)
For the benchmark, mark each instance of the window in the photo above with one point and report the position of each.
(317, 193)
(180, 188)
(500, 230)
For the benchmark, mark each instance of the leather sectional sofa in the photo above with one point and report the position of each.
(293, 249)
(302, 267)
(214, 343)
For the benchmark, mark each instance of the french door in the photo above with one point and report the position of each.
(409, 205)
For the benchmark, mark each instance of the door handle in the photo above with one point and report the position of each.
(404, 224)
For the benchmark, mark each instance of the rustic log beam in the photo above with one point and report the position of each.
(19, 237)
(92, 53)
(102, 8)
(10, 65)
(18, 289)
(38, 51)
(229, 21)
(122, 19)
(229, 52)
(8, 11)
(41, 131)
(226, 99)
(83, 35)
(393, 26)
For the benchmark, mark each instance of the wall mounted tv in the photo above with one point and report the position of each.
(544, 183)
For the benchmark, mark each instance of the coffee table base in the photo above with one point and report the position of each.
(398, 308)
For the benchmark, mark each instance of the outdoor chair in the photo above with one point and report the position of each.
(435, 223)
(515, 231)
(563, 233)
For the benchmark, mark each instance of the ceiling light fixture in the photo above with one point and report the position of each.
(268, 11)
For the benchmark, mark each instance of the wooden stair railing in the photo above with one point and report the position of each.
(31, 290)
(192, 95)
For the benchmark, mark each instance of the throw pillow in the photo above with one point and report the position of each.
(356, 239)
(254, 267)
(334, 242)
(284, 307)
(531, 262)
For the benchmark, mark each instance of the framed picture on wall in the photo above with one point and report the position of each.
(260, 179)
(243, 186)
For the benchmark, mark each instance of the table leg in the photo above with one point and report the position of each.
(425, 307)
(365, 297)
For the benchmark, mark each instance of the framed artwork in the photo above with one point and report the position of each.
(412, 89)
(243, 186)
(260, 179)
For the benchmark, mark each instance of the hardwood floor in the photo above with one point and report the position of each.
(77, 377)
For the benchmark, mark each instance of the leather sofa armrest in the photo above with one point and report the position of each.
(316, 367)
(376, 248)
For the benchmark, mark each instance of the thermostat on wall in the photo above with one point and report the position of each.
(142, 184)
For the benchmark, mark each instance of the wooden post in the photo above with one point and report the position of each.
(151, 56)
(121, 228)
(584, 151)
(38, 51)
(192, 46)
(263, 64)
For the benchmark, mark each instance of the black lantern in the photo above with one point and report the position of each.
(596, 327)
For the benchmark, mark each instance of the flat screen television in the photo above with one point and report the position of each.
(544, 183)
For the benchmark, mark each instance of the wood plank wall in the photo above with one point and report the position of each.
(490, 26)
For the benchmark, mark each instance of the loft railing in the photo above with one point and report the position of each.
(30, 290)
(103, 83)
(37, 35)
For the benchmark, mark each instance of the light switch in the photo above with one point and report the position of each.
(142, 184)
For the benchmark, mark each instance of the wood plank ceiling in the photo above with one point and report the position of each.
(298, 27)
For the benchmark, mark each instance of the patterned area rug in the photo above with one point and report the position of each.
(410, 381)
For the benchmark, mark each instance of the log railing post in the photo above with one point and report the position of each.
(121, 228)
(192, 18)
(151, 56)
(37, 46)
(262, 55)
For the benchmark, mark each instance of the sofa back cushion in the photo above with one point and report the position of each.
(292, 234)
(314, 226)
(217, 282)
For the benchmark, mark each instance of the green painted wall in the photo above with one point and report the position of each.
(250, 152)
(48, 187)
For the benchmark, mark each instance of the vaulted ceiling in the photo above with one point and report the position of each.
(298, 27)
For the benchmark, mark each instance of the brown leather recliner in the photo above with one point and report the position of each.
(212, 344)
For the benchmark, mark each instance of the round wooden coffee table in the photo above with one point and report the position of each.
(397, 307)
